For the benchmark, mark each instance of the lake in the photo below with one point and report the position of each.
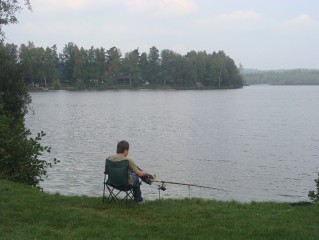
(259, 143)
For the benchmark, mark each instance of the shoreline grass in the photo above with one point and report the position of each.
(26, 213)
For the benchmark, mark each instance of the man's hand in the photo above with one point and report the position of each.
(147, 179)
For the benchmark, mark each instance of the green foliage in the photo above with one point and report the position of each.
(153, 73)
(80, 84)
(96, 66)
(19, 154)
(8, 10)
(113, 63)
(107, 84)
(144, 67)
(38, 65)
(282, 77)
(314, 195)
(56, 84)
(75, 217)
(130, 67)
(13, 94)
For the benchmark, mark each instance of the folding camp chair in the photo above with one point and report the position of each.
(117, 181)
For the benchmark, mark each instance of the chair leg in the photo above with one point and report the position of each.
(113, 196)
(129, 196)
(109, 197)
(103, 199)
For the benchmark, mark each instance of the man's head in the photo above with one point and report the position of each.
(122, 148)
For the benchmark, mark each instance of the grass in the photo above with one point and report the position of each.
(26, 213)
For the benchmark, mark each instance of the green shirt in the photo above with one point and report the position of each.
(132, 166)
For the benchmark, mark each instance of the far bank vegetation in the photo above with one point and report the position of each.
(282, 77)
(99, 68)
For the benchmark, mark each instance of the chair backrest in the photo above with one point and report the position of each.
(117, 173)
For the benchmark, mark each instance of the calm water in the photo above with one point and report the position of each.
(259, 143)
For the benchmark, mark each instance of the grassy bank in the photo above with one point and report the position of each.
(26, 213)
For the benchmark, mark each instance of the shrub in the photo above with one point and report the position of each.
(19, 153)
(56, 84)
(80, 84)
(314, 195)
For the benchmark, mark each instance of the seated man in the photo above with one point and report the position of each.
(134, 171)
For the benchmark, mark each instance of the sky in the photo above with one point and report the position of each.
(259, 34)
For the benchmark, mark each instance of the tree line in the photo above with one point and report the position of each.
(282, 77)
(101, 68)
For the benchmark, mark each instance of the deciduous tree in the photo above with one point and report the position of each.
(8, 11)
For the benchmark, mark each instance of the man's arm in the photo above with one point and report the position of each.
(140, 173)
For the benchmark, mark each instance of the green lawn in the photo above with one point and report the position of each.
(26, 213)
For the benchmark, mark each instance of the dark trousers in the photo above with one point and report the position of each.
(137, 194)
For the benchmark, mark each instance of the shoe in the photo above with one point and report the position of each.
(140, 202)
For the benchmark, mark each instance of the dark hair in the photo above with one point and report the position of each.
(122, 146)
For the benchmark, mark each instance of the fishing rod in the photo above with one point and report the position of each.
(186, 184)
(149, 179)
(162, 185)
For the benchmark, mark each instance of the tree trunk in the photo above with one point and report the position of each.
(45, 81)
(130, 79)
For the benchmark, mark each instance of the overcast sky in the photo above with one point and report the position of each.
(262, 34)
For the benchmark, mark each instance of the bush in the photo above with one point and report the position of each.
(19, 153)
(80, 84)
(137, 83)
(56, 84)
(313, 195)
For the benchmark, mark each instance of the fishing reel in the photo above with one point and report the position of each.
(162, 187)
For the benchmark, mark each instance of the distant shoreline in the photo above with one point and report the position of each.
(282, 77)
(39, 89)
(74, 89)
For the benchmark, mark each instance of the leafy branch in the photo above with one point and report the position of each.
(314, 195)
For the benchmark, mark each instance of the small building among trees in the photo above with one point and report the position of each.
(123, 81)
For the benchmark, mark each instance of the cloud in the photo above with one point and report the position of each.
(302, 21)
(59, 5)
(72, 29)
(237, 16)
(151, 7)
(162, 7)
